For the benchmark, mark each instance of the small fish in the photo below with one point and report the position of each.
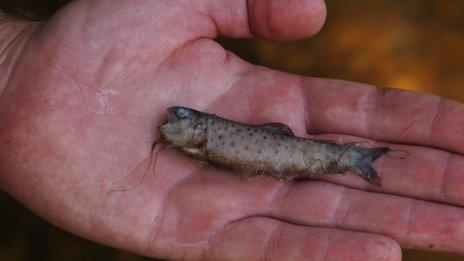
(267, 149)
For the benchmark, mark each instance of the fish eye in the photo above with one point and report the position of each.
(182, 113)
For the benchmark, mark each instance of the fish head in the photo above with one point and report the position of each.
(185, 127)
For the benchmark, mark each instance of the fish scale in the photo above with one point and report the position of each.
(251, 147)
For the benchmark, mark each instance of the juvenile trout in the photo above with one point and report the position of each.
(268, 149)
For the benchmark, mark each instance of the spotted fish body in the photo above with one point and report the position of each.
(269, 149)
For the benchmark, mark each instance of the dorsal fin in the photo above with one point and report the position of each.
(277, 127)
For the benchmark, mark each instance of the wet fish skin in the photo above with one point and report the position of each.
(268, 149)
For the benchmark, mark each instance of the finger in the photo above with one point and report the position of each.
(384, 114)
(424, 173)
(412, 223)
(333, 106)
(276, 20)
(269, 96)
(261, 238)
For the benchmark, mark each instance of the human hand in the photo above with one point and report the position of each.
(83, 98)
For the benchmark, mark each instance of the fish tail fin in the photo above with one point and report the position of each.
(363, 167)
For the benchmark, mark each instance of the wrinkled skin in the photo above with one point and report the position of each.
(83, 94)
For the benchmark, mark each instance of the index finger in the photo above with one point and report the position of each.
(384, 114)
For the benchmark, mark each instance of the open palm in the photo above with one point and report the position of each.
(78, 118)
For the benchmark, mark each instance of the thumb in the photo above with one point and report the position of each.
(279, 20)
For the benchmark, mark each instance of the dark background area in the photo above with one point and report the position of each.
(416, 45)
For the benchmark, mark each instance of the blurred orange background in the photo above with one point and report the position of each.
(416, 45)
